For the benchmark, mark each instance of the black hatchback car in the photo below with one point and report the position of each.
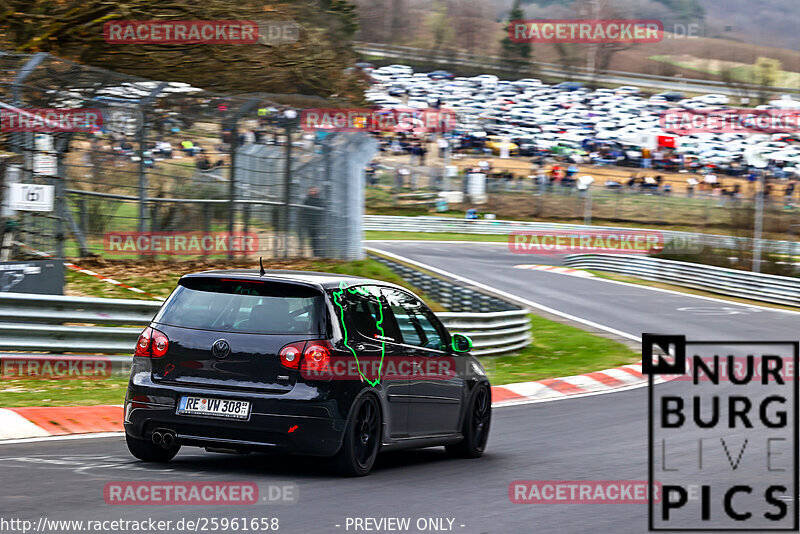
(304, 363)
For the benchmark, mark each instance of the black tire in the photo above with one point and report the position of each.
(147, 451)
(477, 422)
(361, 439)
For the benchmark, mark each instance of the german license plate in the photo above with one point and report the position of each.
(234, 409)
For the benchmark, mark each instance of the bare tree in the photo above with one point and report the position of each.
(472, 23)
(314, 64)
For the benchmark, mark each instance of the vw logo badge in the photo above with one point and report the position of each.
(220, 349)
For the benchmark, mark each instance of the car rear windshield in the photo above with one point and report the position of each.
(247, 306)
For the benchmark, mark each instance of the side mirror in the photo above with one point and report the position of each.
(461, 343)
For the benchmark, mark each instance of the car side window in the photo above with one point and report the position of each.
(366, 313)
(415, 321)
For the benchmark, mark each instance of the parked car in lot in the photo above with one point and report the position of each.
(528, 108)
(627, 90)
(302, 363)
(569, 86)
(671, 96)
(713, 100)
(440, 75)
(499, 143)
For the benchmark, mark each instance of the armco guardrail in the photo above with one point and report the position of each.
(495, 326)
(50, 309)
(492, 333)
(452, 296)
(397, 223)
(755, 286)
(34, 323)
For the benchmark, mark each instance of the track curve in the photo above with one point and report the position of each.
(600, 437)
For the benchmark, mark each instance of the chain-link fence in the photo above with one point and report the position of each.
(614, 195)
(145, 168)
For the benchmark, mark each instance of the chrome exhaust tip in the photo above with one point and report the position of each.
(157, 438)
(168, 440)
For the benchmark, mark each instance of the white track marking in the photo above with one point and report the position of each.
(65, 437)
(556, 269)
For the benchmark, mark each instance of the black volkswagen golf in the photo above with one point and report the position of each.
(305, 363)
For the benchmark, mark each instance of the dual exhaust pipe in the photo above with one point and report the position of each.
(166, 439)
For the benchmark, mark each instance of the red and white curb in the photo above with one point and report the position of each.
(45, 422)
(110, 280)
(48, 421)
(555, 269)
(79, 269)
(619, 378)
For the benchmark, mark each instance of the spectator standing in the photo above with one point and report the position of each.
(710, 181)
(443, 145)
(416, 154)
(658, 157)
(646, 164)
(571, 170)
(203, 163)
(789, 194)
(691, 184)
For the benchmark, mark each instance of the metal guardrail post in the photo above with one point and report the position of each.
(232, 197)
(143, 105)
(287, 188)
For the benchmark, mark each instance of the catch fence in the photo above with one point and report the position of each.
(170, 169)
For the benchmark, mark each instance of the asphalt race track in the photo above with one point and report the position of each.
(624, 307)
(602, 437)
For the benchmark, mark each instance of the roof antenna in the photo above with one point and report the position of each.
(261, 263)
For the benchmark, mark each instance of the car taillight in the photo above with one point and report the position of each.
(151, 344)
(291, 354)
(317, 358)
(143, 344)
(159, 344)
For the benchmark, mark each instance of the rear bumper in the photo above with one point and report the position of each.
(276, 423)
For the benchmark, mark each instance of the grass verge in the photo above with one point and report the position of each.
(160, 278)
(557, 350)
(15, 392)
